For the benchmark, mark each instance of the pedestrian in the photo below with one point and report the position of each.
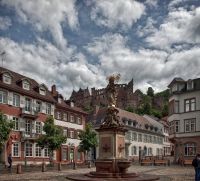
(196, 165)
(10, 161)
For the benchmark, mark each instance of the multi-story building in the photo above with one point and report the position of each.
(142, 139)
(28, 104)
(72, 120)
(184, 117)
(163, 125)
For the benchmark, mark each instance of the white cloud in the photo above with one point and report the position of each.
(47, 15)
(180, 26)
(147, 67)
(149, 28)
(5, 23)
(152, 3)
(116, 13)
(47, 64)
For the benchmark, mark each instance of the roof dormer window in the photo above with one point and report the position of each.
(6, 78)
(26, 85)
(42, 91)
(190, 84)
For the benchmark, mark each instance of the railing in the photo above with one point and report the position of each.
(30, 111)
(30, 135)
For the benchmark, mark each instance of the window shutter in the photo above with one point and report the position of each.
(52, 109)
(22, 101)
(22, 124)
(43, 108)
(10, 98)
(43, 132)
(33, 126)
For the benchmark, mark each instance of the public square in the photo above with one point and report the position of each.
(166, 173)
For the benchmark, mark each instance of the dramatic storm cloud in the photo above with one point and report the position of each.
(77, 44)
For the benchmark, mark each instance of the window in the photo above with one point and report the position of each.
(64, 153)
(78, 155)
(176, 107)
(58, 115)
(7, 78)
(190, 85)
(15, 150)
(190, 125)
(29, 149)
(38, 127)
(46, 152)
(145, 138)
(134, 136)
(38, 106)
(190, 104)
(38, 151)
(26, 85)
(150, 151)
(3, 97)
(140, 137)
(48, 109)
(16, 123)
(27, 104)
(171, 127)
(134, 150)
(65, 117)
(177, 126)
(42, 91)
(16, 100)
(65, 132)
(190, 149)
(78, 120)
(72, 118)
(71, 134)
(28, 127)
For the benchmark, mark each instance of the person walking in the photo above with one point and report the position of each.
(196, 165)
(10, 161)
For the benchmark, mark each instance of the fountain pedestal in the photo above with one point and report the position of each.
(111, 163)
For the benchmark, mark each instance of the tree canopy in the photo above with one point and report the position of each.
(5, 128)
(88, 139)
(150, 92)
(54, 138)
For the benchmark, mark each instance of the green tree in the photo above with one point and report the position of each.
(130, 109)
(165, 110)
(156, 113)
(5, 128)
(53, 139)
(150, 92)
(88, 140)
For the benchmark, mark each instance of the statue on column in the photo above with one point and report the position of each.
(111, 118)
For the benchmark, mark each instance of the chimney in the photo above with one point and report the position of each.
(53, 90)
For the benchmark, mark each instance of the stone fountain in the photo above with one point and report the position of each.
(111, 163)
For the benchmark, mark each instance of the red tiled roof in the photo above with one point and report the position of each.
(15, 87)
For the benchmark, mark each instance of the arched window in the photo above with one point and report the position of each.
(150, 151)
(190, 149)
(145, 150)
(133, 150)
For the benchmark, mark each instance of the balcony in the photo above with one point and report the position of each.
(30, 136)
(29, 113)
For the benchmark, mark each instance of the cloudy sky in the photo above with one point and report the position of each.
(78, 43)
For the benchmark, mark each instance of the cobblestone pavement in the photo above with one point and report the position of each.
(172, 173)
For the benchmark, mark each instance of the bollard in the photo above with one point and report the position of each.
(59, 166)
(89, 164)
(43, 167)
(74, 165)
(19, 169)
